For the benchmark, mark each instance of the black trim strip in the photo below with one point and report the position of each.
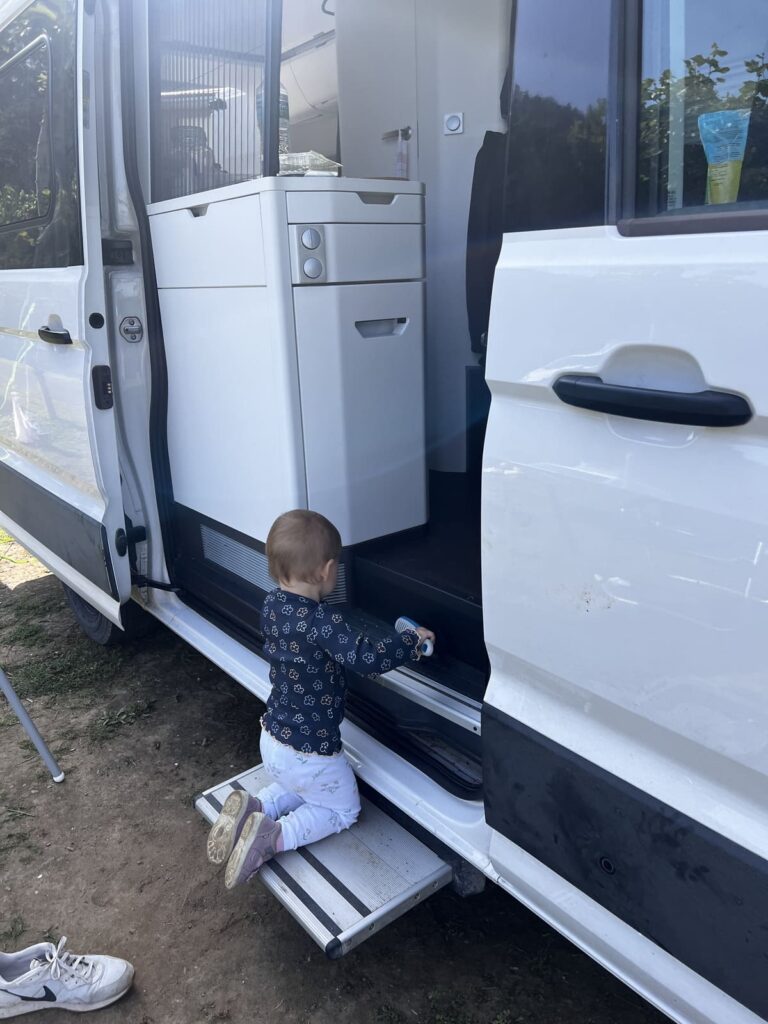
(627, 85)
(77, 539)
(694, 223)
(239, 786)
(338, 885)
(271, 149)
(215, 804)
(315, 909)
(696, 894)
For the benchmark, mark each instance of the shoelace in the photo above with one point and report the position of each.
(59, 960)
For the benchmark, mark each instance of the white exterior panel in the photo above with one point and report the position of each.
(624, 569)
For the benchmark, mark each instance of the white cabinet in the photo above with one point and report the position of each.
(293, 319)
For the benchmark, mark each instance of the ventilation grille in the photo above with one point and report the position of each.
(251, 565)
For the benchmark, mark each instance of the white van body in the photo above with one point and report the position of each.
(195, 336)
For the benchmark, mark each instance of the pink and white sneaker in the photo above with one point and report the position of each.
(46, 977)
(256, 845)
(229, 825)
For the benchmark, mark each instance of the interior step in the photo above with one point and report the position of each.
(346, 888)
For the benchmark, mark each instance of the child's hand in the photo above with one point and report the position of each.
(425, 634)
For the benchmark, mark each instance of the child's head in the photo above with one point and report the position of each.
(304, 547)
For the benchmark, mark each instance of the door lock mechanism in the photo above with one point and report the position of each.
(131, 329)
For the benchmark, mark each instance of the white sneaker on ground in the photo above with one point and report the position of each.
(46, 977)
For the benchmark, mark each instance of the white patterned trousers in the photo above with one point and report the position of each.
(313, 795)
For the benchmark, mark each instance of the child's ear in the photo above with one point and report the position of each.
(325, 573)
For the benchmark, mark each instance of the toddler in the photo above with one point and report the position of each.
(309, 645)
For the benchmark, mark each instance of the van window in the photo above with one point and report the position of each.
(207, 94)
(556, 161)
(39, 196)
(25, 193)
(703, 121)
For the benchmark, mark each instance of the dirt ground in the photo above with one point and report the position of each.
(114, 858)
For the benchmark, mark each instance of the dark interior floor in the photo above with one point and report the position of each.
(446, 553)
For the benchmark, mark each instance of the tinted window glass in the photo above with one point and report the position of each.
(207, 94)
(39, 199)
(556, 173)
(703, 130)
(25, 167)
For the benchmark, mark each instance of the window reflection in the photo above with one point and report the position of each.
(703, 130)
(39, 194)
(25, 143)
(207, 94)
(309, 108)
(556, 161)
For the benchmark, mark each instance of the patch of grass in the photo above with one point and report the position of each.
(390, 1015)
(5, 541)
(15, 561)
(15, 842)
(44, 600)
(444, 1011)
(15, 927)
(26, 633)
(109, 723)
(28, 749)
(52, 935)
(15, 814)
(82, 666)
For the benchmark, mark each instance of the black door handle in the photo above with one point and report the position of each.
(54, 337)
(700, 409)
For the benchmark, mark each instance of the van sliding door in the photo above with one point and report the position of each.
(625, 489)
(60, 491)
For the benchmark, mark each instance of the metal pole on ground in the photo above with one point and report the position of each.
(30, 728)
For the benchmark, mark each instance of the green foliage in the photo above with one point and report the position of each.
(12, 930)
(109, 723)
(703, 89)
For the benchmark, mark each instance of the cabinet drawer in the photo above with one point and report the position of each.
(372, 207)
(214, 245)
(351, 253)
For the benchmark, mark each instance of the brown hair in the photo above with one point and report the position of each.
(299, 544)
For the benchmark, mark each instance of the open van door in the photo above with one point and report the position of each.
(60, 488)
(624, 495)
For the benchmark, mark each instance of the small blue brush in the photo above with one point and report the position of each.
(427, 648)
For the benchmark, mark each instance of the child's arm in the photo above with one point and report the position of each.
(351, 648)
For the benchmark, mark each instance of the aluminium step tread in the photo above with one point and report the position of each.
(346, 888)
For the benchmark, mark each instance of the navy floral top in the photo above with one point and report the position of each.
(309, 646)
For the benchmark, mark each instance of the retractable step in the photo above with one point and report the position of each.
(346, 888)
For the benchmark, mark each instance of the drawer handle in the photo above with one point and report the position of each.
(199, 211)
(387, 328)
(377, 198)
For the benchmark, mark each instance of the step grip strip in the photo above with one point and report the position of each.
(349, 886)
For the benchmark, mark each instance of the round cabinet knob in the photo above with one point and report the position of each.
(313, 268)
(311, 238)
(453, 123)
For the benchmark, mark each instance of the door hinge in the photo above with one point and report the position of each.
(102, 387)
(139, 580)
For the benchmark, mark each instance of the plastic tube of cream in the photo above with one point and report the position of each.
(724, 137)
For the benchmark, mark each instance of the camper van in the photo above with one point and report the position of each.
(483, 283)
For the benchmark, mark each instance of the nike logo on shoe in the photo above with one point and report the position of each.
(48, 997)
